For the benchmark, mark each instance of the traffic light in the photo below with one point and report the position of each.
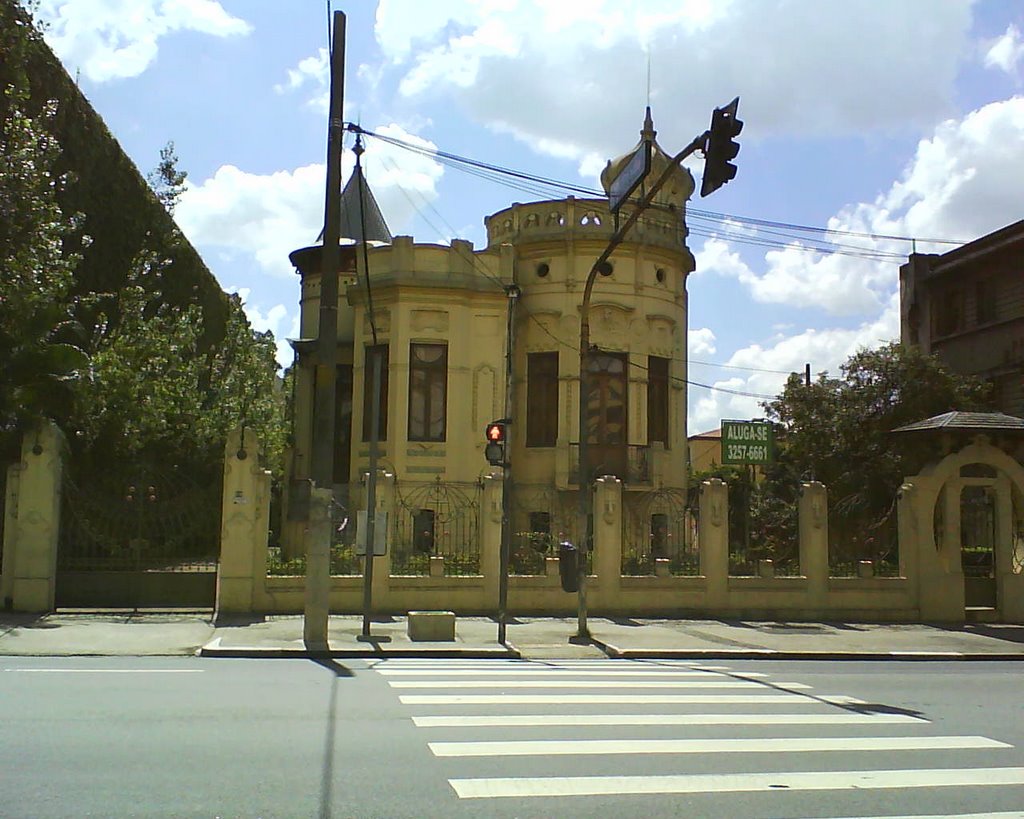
(496, 437)
(721, 147)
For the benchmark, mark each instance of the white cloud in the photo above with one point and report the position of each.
(575, 74)
(278, 320)
(1007, 51)
(962, 182)
(270, 215)
(701, 341)
(267, 215)
(314, 72)
(113, 39)
(824, 349)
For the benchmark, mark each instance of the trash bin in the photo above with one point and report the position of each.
(568, 566)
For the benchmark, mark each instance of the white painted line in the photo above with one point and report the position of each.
(555, 672)
(546, 662)
(735, 783)
(746, 745)
(108, 670)
(602, 699)
(538, 720)
(549, 683)
(1009, 814)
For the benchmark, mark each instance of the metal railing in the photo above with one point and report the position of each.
(630, 463)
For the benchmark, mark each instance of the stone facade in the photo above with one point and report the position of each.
(967, 307)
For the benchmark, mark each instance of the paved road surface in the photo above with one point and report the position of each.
(455, 738)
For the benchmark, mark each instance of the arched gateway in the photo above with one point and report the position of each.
(962, 519)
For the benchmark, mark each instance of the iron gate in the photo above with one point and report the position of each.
(542, 517)
(436, 519)
(659, 524)
(137, 536)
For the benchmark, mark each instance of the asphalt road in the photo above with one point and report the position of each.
(117, 737)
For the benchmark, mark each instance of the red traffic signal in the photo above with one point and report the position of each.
(495, 436)
(721, 147)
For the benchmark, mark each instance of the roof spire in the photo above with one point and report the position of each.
(351, 228)
(648, 133)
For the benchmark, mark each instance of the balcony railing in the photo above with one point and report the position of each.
(630, 463)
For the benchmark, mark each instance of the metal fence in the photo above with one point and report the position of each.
(763, 525)
(542, 517)
(436, 519)
(659, 524)
(139, 517)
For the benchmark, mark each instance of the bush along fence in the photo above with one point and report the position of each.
(960, 532)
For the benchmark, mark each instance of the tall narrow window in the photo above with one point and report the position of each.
(948, 312)
(374, 352)
(657, 399)
(985, 301)
(428, 391)
(541, 399)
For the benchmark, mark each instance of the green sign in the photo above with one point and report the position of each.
(747, 442)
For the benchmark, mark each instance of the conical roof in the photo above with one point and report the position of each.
(376, 228)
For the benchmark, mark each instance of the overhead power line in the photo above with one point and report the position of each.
(542, 185)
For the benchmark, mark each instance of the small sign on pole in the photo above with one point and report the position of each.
(380, 531)
(748, 442)
(636, 168)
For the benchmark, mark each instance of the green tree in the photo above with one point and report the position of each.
(40, 343)
(837, 430)
(155, 388)
(166, 180)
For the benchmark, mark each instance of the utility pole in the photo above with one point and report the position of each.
(513, 292)
(317, 605)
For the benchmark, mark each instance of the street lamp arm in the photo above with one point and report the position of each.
(617, 238)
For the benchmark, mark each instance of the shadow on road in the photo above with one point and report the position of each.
(327, 773)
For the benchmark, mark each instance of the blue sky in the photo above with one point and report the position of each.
(902, 118)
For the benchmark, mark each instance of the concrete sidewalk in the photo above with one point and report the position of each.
(187, 633)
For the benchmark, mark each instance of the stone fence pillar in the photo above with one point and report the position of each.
(10, 541)
(608, 535)
(31, 534)
(713, 538)
(245, 525)
(813, 533)
(490, 536)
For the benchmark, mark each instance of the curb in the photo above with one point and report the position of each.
(618, 653)
(258, 653)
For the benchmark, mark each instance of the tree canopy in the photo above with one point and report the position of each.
(837, 429)
(146, 355)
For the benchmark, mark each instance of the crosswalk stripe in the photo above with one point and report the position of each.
(549, 683)
(554, 672)
(609, 699)
(762, 745)
(734, 783)
(538, 720)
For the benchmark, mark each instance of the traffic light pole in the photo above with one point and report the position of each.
(513, 293)
(586, 498)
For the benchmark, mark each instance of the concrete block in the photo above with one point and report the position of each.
(432, 626)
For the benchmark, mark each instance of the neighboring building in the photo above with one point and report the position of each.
(705, 451)
(441, 318)
(967, 307)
